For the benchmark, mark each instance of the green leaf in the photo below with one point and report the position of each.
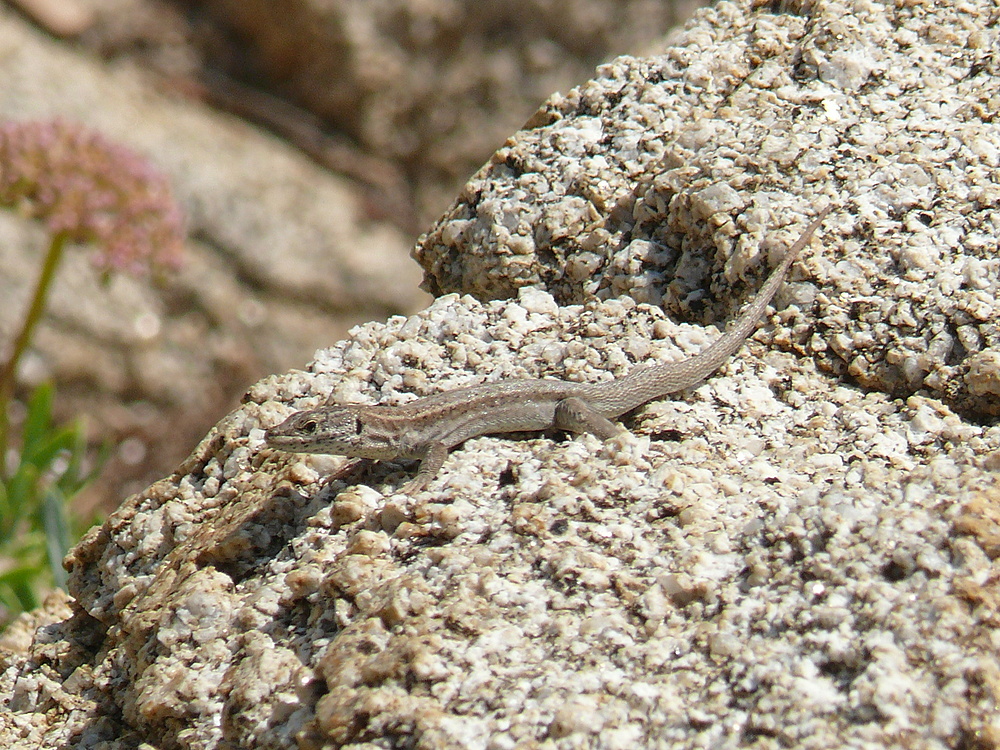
(21, 492)
(74, 478)
(17, 588)
(37, 527)
(43, 454)
(39, 416)
(78, 473)
(58, 537)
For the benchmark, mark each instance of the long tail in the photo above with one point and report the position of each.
(647, 383)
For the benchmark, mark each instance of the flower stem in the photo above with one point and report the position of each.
(8, 374)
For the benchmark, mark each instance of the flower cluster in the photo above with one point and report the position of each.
(91, 190)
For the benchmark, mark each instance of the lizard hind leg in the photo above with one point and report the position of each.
(576, 415)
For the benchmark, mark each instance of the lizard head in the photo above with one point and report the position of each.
(339, 430)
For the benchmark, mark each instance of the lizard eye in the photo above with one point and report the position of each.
(357, 426)
(309, 427)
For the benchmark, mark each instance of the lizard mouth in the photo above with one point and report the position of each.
(276, 440)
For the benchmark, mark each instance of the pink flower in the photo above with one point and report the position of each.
(91, 190)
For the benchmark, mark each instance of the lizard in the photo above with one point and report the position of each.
(429, 427)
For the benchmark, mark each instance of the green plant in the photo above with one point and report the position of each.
(89, 191)
(38, 527)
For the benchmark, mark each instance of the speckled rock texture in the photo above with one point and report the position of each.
(618, 187)
(801, 552)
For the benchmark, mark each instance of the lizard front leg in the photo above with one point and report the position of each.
(430, 464)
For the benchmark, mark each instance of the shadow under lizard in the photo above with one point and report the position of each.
(429, 427)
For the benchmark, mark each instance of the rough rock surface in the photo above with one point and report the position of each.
(777, 558)
(618, 187)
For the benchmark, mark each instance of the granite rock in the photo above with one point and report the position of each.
(787, 555)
